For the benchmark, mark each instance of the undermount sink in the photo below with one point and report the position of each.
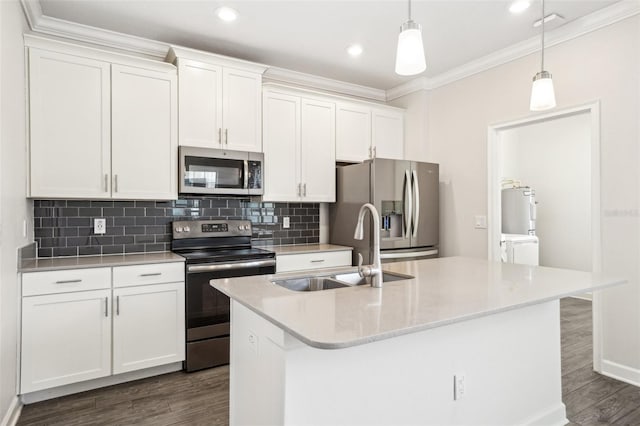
(355, 278)
(315, 283)
(310, 283)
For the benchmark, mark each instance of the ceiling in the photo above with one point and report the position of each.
(311, 36)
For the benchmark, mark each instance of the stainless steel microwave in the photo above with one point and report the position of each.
(218, 171)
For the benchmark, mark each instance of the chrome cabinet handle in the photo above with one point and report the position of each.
(117, 305)
(226, 136)
(115, 183)
(374, 152)
(220, 135)
(304, 190)
(106, 182)
(317, 261)
(154, 274)
(106, 306)
(416, 200)
(370, 152)
(299, 190)
(68, 281)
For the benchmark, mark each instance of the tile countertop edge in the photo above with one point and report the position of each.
(342, 344)
(304, 248)
(86, 262)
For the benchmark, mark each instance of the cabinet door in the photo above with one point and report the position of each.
(388, 134)
(281, 147)
(353, 132)
(318, 159)
(148, 326)
(200, 104)
(66, 338)
(144, 134)
(69, 126)
(242, 112)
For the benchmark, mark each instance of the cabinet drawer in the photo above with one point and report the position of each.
(125, 276)
(298, 262)
(51, 282)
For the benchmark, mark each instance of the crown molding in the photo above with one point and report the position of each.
(43, 24)
(282, 75)
(177, 53)
(420, 83)
(586, 24)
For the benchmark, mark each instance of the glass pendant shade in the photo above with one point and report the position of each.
(410, 54)
(543, 96)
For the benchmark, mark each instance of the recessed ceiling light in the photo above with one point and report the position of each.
(354, 50)
(519, 6)
(547, 19)
(227, 14)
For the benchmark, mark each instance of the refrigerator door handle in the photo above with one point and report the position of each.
(416, 197)
(407, 205)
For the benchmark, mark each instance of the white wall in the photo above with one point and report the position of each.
(415, 125)
(602, 65)
(554, 158)
(14, 208)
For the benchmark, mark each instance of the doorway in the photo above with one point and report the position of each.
(540, 156)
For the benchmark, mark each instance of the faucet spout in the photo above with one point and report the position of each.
(375, 269)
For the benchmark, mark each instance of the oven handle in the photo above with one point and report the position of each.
(229, 266)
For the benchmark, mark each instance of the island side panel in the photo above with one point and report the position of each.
(510, 360)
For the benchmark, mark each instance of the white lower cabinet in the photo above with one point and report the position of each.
(148, 326)
(317, 260)
(82, 324)
(66, 338)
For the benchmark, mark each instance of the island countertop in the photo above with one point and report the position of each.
(443, 291)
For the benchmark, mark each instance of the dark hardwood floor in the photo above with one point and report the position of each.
(202, 398)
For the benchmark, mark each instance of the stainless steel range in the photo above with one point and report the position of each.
(214, 249)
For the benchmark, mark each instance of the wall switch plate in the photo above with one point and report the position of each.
(285, 222)
(99, 226)
(481, 222)
(458, 386)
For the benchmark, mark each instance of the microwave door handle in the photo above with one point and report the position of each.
(416, 199)
(246, 175)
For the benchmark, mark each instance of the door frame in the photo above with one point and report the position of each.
(494, 205)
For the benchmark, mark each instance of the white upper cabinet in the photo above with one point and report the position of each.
(144, 133)
(200, 104)
(318, 155)
(69, 102)
(299, 148)
(102, 125)
(353, 132)
(220, 101)
(365, 131)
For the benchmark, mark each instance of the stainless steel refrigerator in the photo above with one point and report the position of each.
(405, 193)
(519, 211)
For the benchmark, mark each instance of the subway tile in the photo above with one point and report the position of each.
(124, 204)
(124, 221)
(153, 211)
(115, 230)
(114, 211)
(102, 204)
(155, 247)
(144, 239)
(43, 212)
(43, 232)
(145, 203)
(134, 230)
(79, 231)
(300, 240)
(123, 239)
(145, 220)
(45, 252)
(78, 203)
(163, 204)
(163, 220)
(78, 241)
(164, 238)
(52, 242)
(103, 240)
(60, 203)
(114, 249)
(65, 251)
(90, 211)
(89, 251)
(134, 248)
(134, 211)
(78, 221)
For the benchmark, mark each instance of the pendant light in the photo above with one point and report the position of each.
(410, 53)
(542, 93)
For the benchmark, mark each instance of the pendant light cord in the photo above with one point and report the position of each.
(409, 9)
(542, 35)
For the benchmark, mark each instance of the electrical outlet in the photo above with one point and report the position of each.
(286, 222)
(459, 386)
(99, 226)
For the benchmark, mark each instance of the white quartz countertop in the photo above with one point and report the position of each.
(304, 248)
(59, 263)
(443, 291)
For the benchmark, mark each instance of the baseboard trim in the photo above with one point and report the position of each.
(621, 372)
(43, 395)
(555, 416)
(13, 413)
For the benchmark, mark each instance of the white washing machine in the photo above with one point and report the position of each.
(522, 249)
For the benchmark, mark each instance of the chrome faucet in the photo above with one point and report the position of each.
(374, 270)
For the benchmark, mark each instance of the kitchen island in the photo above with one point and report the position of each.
(465, 341)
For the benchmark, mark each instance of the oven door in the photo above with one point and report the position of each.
(207, 308)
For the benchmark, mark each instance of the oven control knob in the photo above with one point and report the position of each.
(178, 228)
(239, 227)
(246, 227)
(186, 229)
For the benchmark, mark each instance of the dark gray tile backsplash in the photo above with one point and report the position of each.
(65, 227)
